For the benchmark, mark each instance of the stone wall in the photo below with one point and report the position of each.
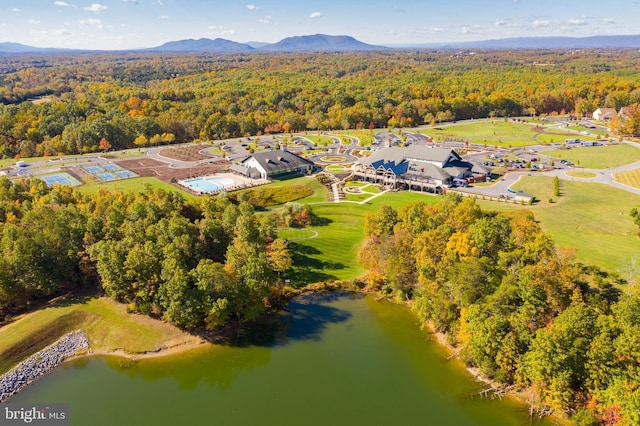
(41, 363)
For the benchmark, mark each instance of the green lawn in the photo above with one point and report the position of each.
(599, 132)
(501, 133)
(582, 174)
(496, 132)
(134, 184)
(320, 140)
(364, 136)
(295, 233)
(319, 191)
(590, 217)
(631, 178)
(336, 168)
(598, 157)
(333, 254)
(106, 322)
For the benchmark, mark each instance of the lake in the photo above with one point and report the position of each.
(331, 359)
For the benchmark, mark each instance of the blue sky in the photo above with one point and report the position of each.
(124, 24)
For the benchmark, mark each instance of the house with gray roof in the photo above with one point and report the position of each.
(416, 167)
(267, 164)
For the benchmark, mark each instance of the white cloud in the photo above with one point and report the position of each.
(252, 7)
(16, 10)
(228, 33)
(91, 21)
(61, 4)
(577, 22)
(609, 21)
(61, 33)
(163, 17)
(158, 2)
(266, 20)
(33, 22)
(500, 23)
(541, 24)
(315, 15)
(96, 8)
(131, 1)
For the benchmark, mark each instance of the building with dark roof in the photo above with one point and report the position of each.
(266, 164)
(417, 167)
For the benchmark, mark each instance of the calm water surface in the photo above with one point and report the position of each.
(332, 360)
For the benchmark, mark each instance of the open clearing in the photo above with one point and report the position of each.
(593, 218)
(631, 178)
(106, 322)
(500, 133)
(598, 157)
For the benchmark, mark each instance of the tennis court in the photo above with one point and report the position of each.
(111, 167)
(94, 170)
(59, 179)
(109, 172)
(106, 176)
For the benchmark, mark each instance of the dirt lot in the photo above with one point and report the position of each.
(186, 153)
(150, 167)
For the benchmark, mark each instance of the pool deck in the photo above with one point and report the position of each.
(239, 182)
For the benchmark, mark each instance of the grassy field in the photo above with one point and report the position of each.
(333, 254)
(319, 190)
(134, 184)
(496, 132)
(592, 218)
(293, 234)
(598, 157)
(364, 136)
(320, 140)
(585, 175)
(501, 133)
(106, 322)
(631, 178)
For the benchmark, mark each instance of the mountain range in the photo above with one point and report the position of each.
(323, 42)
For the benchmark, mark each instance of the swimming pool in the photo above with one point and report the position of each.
(208, 184)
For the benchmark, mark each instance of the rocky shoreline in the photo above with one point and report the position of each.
(41, 363)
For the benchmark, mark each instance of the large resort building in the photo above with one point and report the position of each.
(418, 168)
(267, 164)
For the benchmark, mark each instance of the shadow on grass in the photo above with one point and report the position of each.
(308, 269)
(305, 318)
(40, 339)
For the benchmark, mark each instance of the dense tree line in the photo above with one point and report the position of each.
(513, 304)
(144, 99)
(191, 264)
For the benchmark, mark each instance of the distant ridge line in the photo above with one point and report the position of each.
(323, 42)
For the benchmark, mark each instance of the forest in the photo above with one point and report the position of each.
(197, 264)
(513, 305)
(67, 104)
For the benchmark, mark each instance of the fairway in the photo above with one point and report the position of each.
(333, 254)
(296, 234)
(598, 157)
